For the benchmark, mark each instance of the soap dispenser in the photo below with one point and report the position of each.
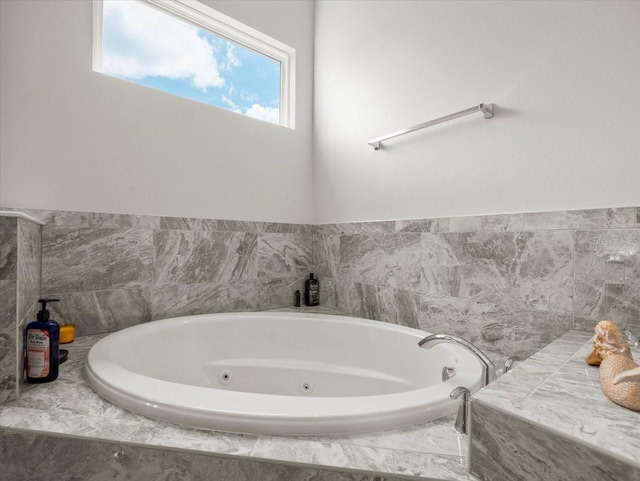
(42, 344)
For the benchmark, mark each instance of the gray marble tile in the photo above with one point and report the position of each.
(8, 364)
(86, 259)
(71, 396)
(102, 311)
(633, 331)
(498, 222)
(8, 248)
(44, 458)
(58, 217)
(9, 388)
(511, 388)
(328, 293)
(432, 466)
(570, 408)
(93, 219)
(256, 227)
(284, 228)
(132, 263)
(274, 292)
(189, 299)
(387, 304)
(594, 431)
(441, 272)
(381, 227)
(577, 336)
(584, 324)
(242, 226)
(209, 468)
(18, 418)
(577, 372)
(188, 223)
(324, 454)
(423, 225)
(492, 326)
(158, 433)
(8, 300)
(531, 270)
(326, 255)
(505, 447)
(433, 437)
(284, 255)
(123, 221)
(29, 251)
(614, 218)
(21, 333)
(191, 257)
(389, 260)
(607, 275)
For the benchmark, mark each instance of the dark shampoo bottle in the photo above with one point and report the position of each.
(311, 291)
(42, 346)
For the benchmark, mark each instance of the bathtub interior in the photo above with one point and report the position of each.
(313, 356)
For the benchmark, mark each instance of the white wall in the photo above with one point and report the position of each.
(565, 77)
(73, 139)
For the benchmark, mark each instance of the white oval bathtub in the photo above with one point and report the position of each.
(279, 373)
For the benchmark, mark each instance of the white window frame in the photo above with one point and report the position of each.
(220, 24)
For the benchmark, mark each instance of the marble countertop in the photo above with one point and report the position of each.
(68, 406)
(557, 390)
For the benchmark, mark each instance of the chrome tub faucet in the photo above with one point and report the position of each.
(488, 375)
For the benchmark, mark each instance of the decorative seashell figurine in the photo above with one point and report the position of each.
(619, 374)
(608, 340)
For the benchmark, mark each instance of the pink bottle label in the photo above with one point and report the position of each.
(38, 353)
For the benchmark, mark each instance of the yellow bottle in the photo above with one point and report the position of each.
(67, 333)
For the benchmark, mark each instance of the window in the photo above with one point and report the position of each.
(188, 49)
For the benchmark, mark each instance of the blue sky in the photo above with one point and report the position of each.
(148, 47)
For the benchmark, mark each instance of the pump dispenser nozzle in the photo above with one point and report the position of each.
(43, 315)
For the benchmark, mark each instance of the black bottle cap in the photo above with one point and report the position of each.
(311, 276)
(43, 315)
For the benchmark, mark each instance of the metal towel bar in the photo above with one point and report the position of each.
(486, 109)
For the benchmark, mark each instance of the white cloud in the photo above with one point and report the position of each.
(248, 97)
(232, 106)
(145, 42)
(232, 61)
(269, 114)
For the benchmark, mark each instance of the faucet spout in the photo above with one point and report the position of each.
(488, 369)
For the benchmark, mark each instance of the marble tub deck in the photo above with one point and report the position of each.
(68, 406)
(554, 399)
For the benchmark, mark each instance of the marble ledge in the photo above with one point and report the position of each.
(20, 215)
(603, 218)
(555, 390)
(68, 407)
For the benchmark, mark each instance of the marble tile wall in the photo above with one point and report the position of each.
(19, 292)
(8, 306)
(510, 283)
(112, 271)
